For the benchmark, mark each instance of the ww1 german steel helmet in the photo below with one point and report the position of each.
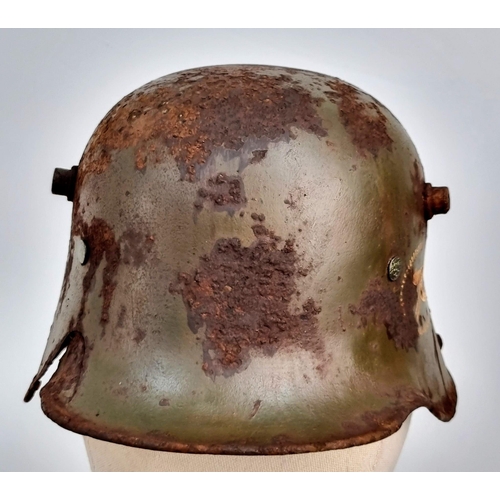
(245, 270)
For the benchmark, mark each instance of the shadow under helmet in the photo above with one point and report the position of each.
(245, 270)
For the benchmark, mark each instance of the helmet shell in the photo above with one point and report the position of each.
(245, 270)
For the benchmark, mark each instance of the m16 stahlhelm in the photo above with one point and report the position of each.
(245, 270)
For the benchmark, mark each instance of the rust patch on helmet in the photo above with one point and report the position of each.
(101, 243)
(258, 155)
(150, 153)
(222, 192)
(195, 111)
(259, 217)
(363, 120)
(384, 306)
(240, 297)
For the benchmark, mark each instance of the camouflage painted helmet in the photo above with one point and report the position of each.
(245, 270)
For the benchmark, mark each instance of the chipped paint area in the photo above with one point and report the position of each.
(222, 192)
(132, 248)
(100, 238)
(401, 309)
(239, 298)
(380, 304)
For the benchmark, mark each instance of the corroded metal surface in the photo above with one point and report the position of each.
(241, 297)
(234, 294)
(362, 118)
(436, 200)
(196, 111)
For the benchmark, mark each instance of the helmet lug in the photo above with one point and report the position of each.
(64, 182)
(436, 200)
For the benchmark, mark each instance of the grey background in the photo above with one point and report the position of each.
(444, 86)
